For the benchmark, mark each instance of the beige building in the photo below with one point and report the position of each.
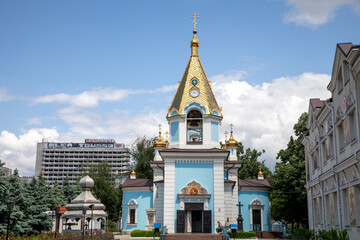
(332, 148)
(56, 161)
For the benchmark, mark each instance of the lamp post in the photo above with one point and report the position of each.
(92, 215)
(84, 212)
(10, 205)
(56, 210)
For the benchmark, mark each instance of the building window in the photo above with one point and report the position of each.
(340, 83)
(132, 207)
(194, 127)
(331, 204)
(315, 159)
(346, 72)
(318, 211)
(328, 147)
(341, 136)
(351, 205)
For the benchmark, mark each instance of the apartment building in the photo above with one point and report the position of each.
(56, 161)
(333, 148)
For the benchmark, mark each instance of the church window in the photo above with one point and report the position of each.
(174, 131)
(132, 207)
(194, 127)
(214, 131)
(132, 216)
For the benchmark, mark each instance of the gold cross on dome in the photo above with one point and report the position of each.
(195, 16)
(167, 135)
(226, 133)
(231, 126)
(159, 129)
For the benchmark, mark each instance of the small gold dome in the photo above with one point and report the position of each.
(231, 142)
(195, 41)
(159, 142)
(133, 173)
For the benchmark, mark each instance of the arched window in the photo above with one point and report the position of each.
(194, 131)
(132, 216)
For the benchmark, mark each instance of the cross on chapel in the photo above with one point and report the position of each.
(195, 16)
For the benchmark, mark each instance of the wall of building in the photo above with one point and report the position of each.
(199, 171)
(245, 197)
(144, 200)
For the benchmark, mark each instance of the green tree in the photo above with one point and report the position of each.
(250, 167)
(70, 190)
(288, 197)
(57, 197)
(142, 152)
(39, 198)
(104, 188)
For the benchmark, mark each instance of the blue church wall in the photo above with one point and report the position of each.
(174, 130)
(214, 131)
(245, 197)
(199, 171)
(144, 200)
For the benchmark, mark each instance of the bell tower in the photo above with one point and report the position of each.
(194, 116)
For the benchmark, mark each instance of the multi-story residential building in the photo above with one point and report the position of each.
(333, 148)
(56, 161)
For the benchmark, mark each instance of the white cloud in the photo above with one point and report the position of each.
(264, 115)
(20, 151)
(92, 98)
(4, 96)
(315, 13)
(34, 121)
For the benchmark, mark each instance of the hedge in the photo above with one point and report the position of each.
(243, 234)
(142, 233)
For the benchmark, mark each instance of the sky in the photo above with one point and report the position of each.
(71, 70)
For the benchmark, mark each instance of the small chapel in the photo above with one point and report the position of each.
(195, 183)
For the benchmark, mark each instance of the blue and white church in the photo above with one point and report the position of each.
(195, 183)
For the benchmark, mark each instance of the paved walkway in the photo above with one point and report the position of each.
(118, 236)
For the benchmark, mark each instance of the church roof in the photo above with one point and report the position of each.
(194, 70)
(253, 183)
(137, 183)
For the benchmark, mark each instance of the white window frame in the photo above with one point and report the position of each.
(132, 206)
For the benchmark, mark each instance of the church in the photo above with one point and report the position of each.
(195, 183)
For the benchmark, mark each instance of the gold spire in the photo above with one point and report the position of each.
(260, 172)
(195, 16)
(194, 41)
(133, 175)
(232, 142)
(159, 142)
(194, 78)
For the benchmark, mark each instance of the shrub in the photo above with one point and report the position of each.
(332, 234)
(142, 233)
(243, 234)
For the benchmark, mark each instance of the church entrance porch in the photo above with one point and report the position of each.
(194, 219)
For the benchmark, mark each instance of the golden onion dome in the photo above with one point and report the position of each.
(195, 41)
(133, 173)
(231, 142)
(159, 142)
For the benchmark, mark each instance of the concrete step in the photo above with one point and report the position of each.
(193, 236)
